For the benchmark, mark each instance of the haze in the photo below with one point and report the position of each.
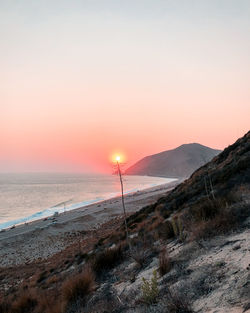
(81, 80)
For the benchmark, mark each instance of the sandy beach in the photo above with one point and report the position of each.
(45, 237)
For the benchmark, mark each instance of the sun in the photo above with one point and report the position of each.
(117, 157)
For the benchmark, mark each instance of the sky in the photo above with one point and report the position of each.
(82, 80)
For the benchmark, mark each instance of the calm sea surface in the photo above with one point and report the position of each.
(27, 197)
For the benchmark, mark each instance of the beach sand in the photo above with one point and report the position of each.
(45, 237)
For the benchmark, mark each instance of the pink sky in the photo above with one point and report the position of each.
(81, 82)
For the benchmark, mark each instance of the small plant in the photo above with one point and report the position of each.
(141, 248)
(150, 289)
(164, 262)
(139, 255)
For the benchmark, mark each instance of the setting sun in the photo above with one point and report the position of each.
(118, 157)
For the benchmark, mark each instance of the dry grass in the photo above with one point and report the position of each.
(25, 303)
(178, 304)
(107, 259)
(78, 286)
(142, 247)
(164, 262)
(213, 217)
(206, 209)
(139, 255)
(220, 224)
(156, 221)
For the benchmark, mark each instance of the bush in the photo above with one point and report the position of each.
(141, 248)
(164, 262)
(178, 304)
(78, 286)
(107, 259)
(150, 290)
(139, 255)
(165, 230)
(136, 219)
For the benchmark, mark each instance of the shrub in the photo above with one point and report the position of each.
(117, 236)
(165, 230)
(107, 259)
(150, 289)
(205, 209)
(137, 219)
(139, 255)
(220, 224)
(164, 262)
(141, 248)
(25, 303)
(78, 286)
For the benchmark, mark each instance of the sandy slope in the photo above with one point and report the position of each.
(214, 275)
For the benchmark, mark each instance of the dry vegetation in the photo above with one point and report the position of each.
(164, 262)
(78, 287)
(106, 260)
(83, 278)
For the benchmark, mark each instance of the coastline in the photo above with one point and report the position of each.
(45, 237)
(45, 210)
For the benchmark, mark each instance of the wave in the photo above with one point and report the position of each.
(65, 207)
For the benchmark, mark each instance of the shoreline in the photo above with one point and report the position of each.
(45, 237)
(55, 212)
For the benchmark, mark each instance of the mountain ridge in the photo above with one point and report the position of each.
(179, 162)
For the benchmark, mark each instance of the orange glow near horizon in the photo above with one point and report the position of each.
(145, 79)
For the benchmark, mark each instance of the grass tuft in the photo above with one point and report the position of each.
(164, 262)
(78, 286)
(107, 259)
(178, 304)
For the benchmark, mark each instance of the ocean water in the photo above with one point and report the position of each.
(28, 197)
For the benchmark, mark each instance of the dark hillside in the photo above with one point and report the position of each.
(228, 170)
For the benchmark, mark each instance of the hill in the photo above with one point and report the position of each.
(179, 162)
(188, 252)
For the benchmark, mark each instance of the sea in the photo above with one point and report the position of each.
(26, 197)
